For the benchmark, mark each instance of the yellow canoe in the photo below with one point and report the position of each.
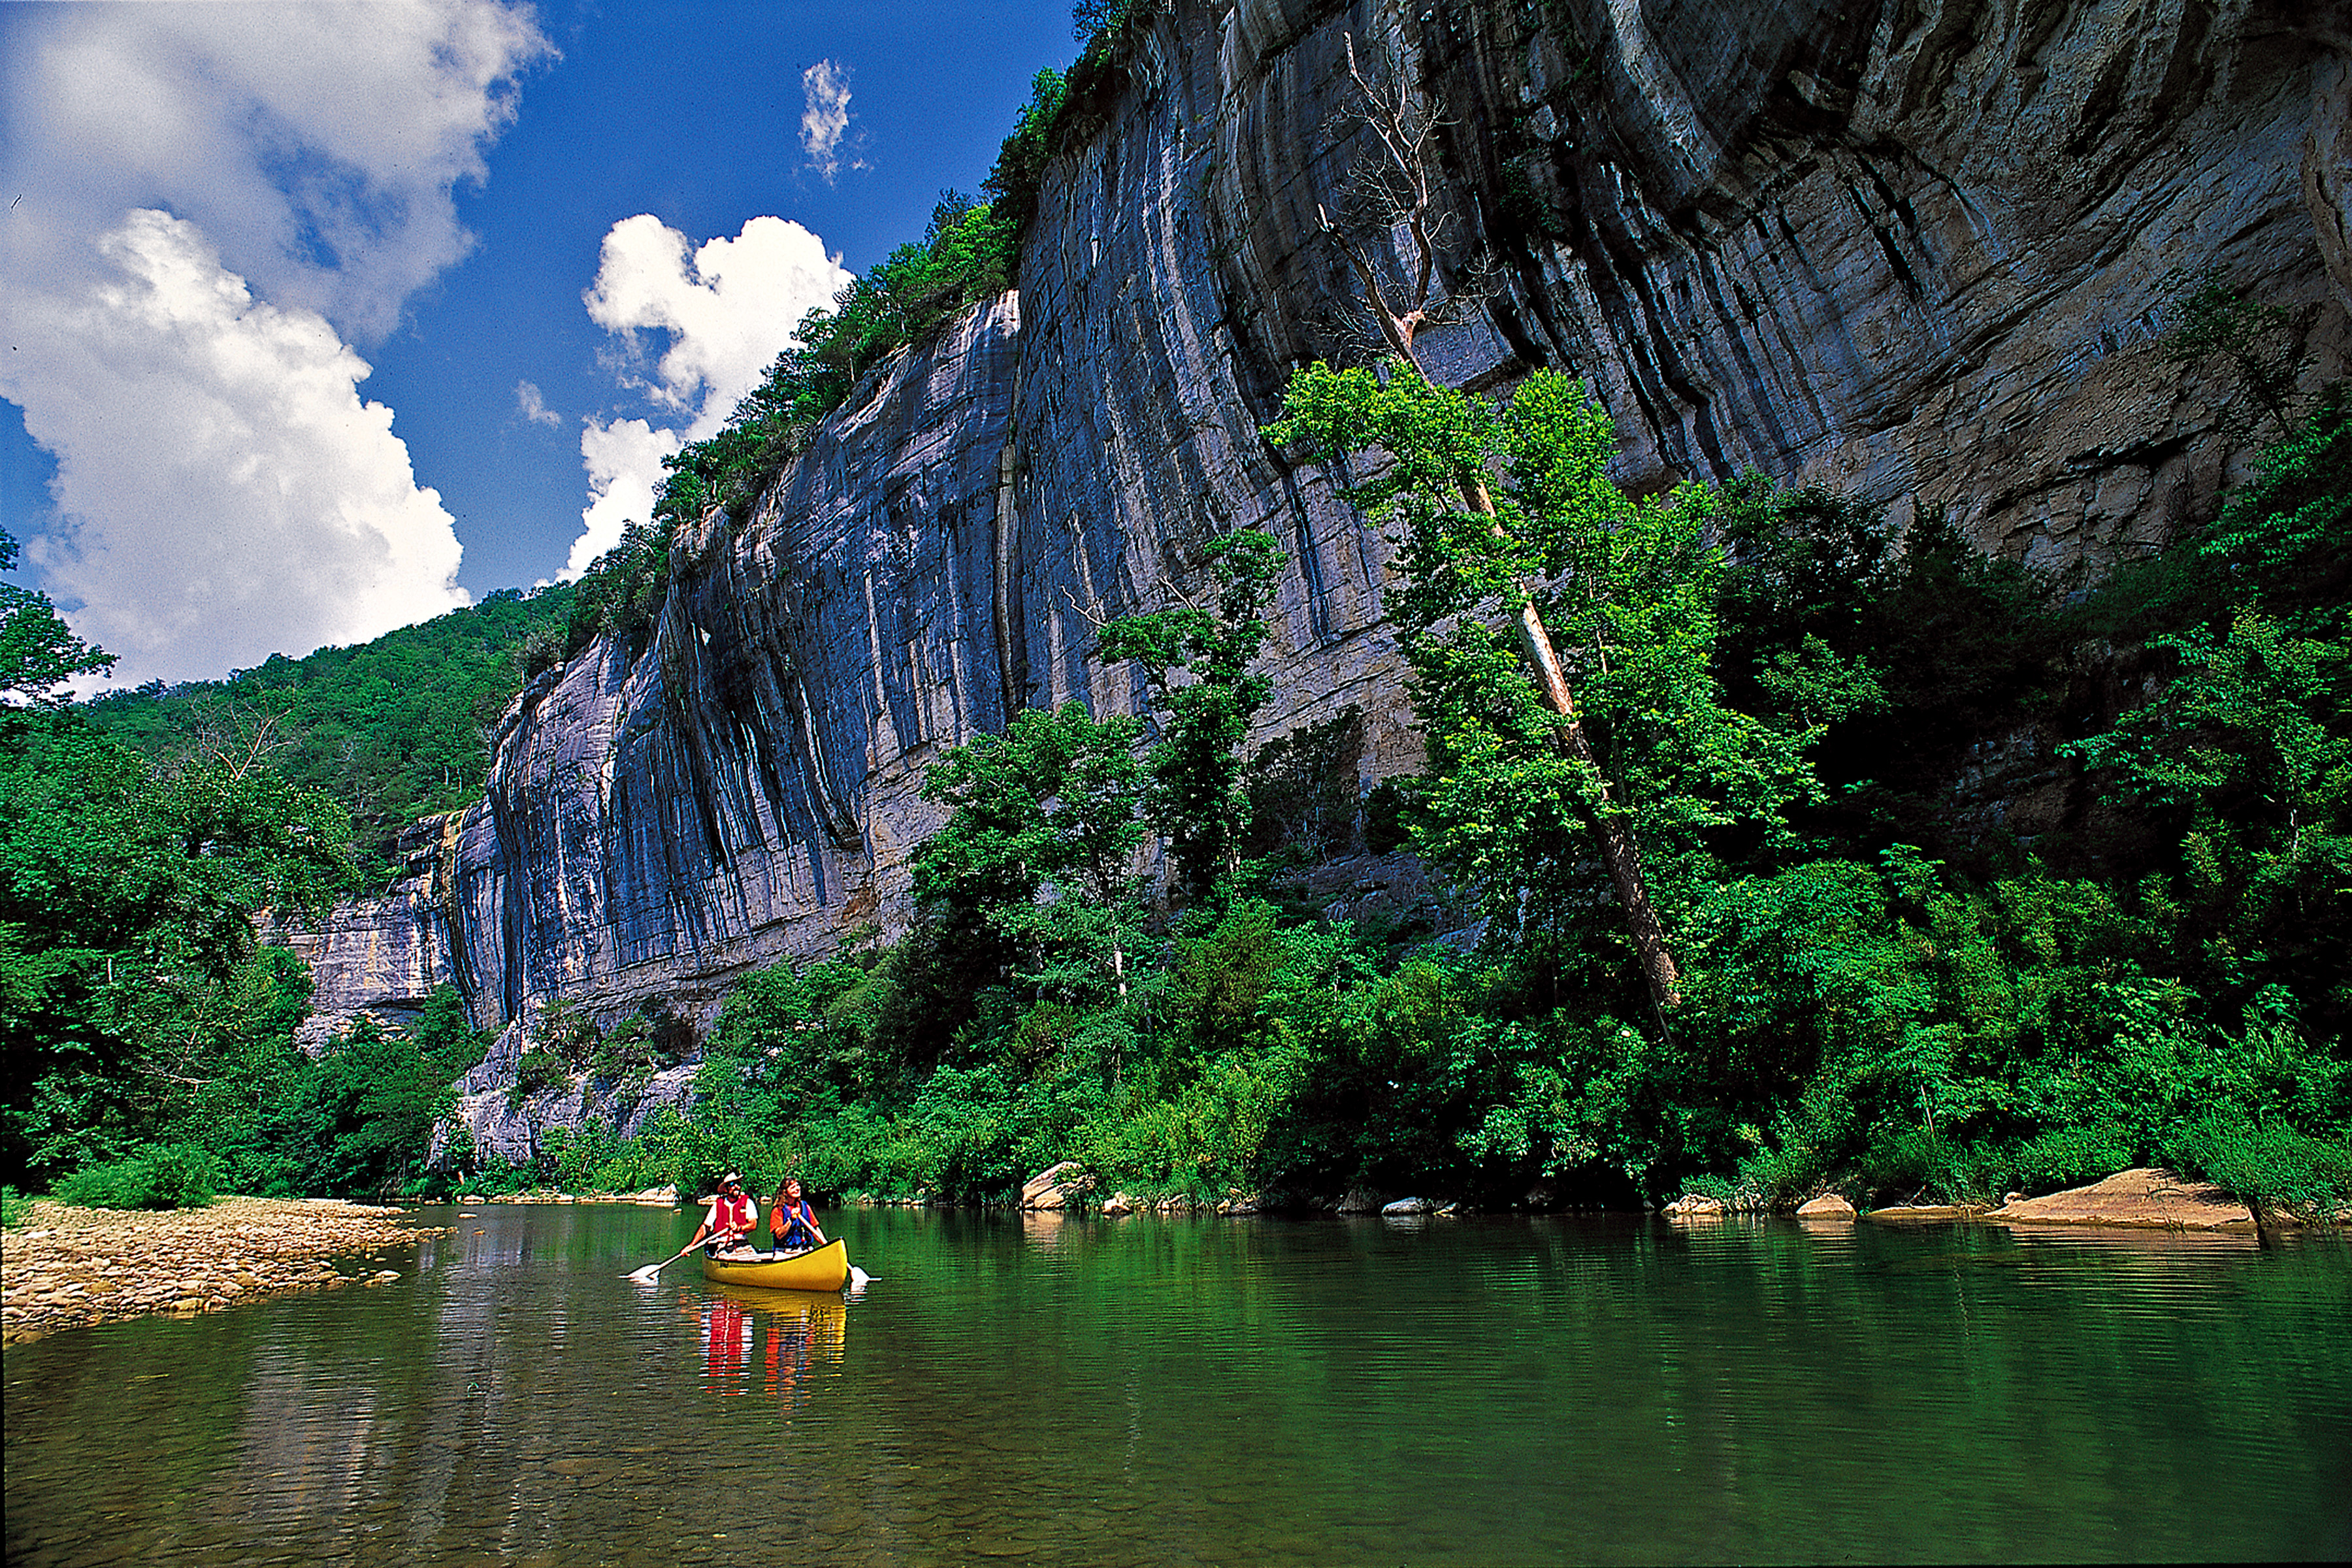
(823, 1267)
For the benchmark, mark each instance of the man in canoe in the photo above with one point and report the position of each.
(728, 1217)
(791, 1224)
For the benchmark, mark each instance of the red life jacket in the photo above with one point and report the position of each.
(732, 1214)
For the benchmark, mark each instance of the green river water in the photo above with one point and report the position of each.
(1162, 1391)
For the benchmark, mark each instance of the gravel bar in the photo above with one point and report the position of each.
(66, 1268)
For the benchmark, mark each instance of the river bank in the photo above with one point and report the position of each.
(68, 1267)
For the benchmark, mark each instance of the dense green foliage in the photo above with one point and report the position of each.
(393, 730)
(147, 1033)
(1196, 660)
(1040, 850)
(159, 1176)
(1512, 816)
(129, 891)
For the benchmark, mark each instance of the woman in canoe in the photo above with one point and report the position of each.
(730, 1216)
(791, 1224)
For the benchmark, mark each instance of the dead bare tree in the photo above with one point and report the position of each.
(236, 733)
(1400, 188)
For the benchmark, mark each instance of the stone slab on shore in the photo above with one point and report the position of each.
(2140, 1196)
(68, 1267)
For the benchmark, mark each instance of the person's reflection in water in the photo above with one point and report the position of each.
(788, 1358)
(795, 1336)
(727, 1362)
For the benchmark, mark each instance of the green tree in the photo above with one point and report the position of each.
(2211, 318)
(131, 894)
(1529, 786)
(1042, 837)
(1196, 660)
(38, 652)
(358, 1118)
(1394, 191)
(1013, 184)
(2247, 751)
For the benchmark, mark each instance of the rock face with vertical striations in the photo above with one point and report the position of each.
(1916, 250)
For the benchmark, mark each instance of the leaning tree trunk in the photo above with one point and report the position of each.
(1620, 851)
(1403, 132)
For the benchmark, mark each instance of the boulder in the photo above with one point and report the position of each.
(1057, 1186)
(1118, 1203)
(1694, 1206)
(1361, 1200)
(2140, 1196)
(1829, 1205)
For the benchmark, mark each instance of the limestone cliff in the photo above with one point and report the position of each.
(1912, 249)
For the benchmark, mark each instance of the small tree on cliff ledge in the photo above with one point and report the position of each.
(1199, 784)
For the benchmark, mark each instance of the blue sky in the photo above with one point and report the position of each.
(215, 212)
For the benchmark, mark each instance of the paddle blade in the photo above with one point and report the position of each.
(646, 1274)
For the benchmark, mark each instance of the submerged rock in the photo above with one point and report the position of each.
(1927, 1212)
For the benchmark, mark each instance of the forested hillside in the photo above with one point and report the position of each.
(393, 730)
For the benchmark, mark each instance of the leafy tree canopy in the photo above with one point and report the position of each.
(38, 652)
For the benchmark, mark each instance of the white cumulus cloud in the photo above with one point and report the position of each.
(623, 461)
(213, 202)
(825, 119)
(725, 311)
(230, 495)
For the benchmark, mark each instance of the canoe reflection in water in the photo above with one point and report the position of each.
(771, 1340)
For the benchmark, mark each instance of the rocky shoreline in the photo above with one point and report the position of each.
(68, 1267)
(2141, 1198)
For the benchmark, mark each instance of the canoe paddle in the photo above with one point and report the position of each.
(650, 1269)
